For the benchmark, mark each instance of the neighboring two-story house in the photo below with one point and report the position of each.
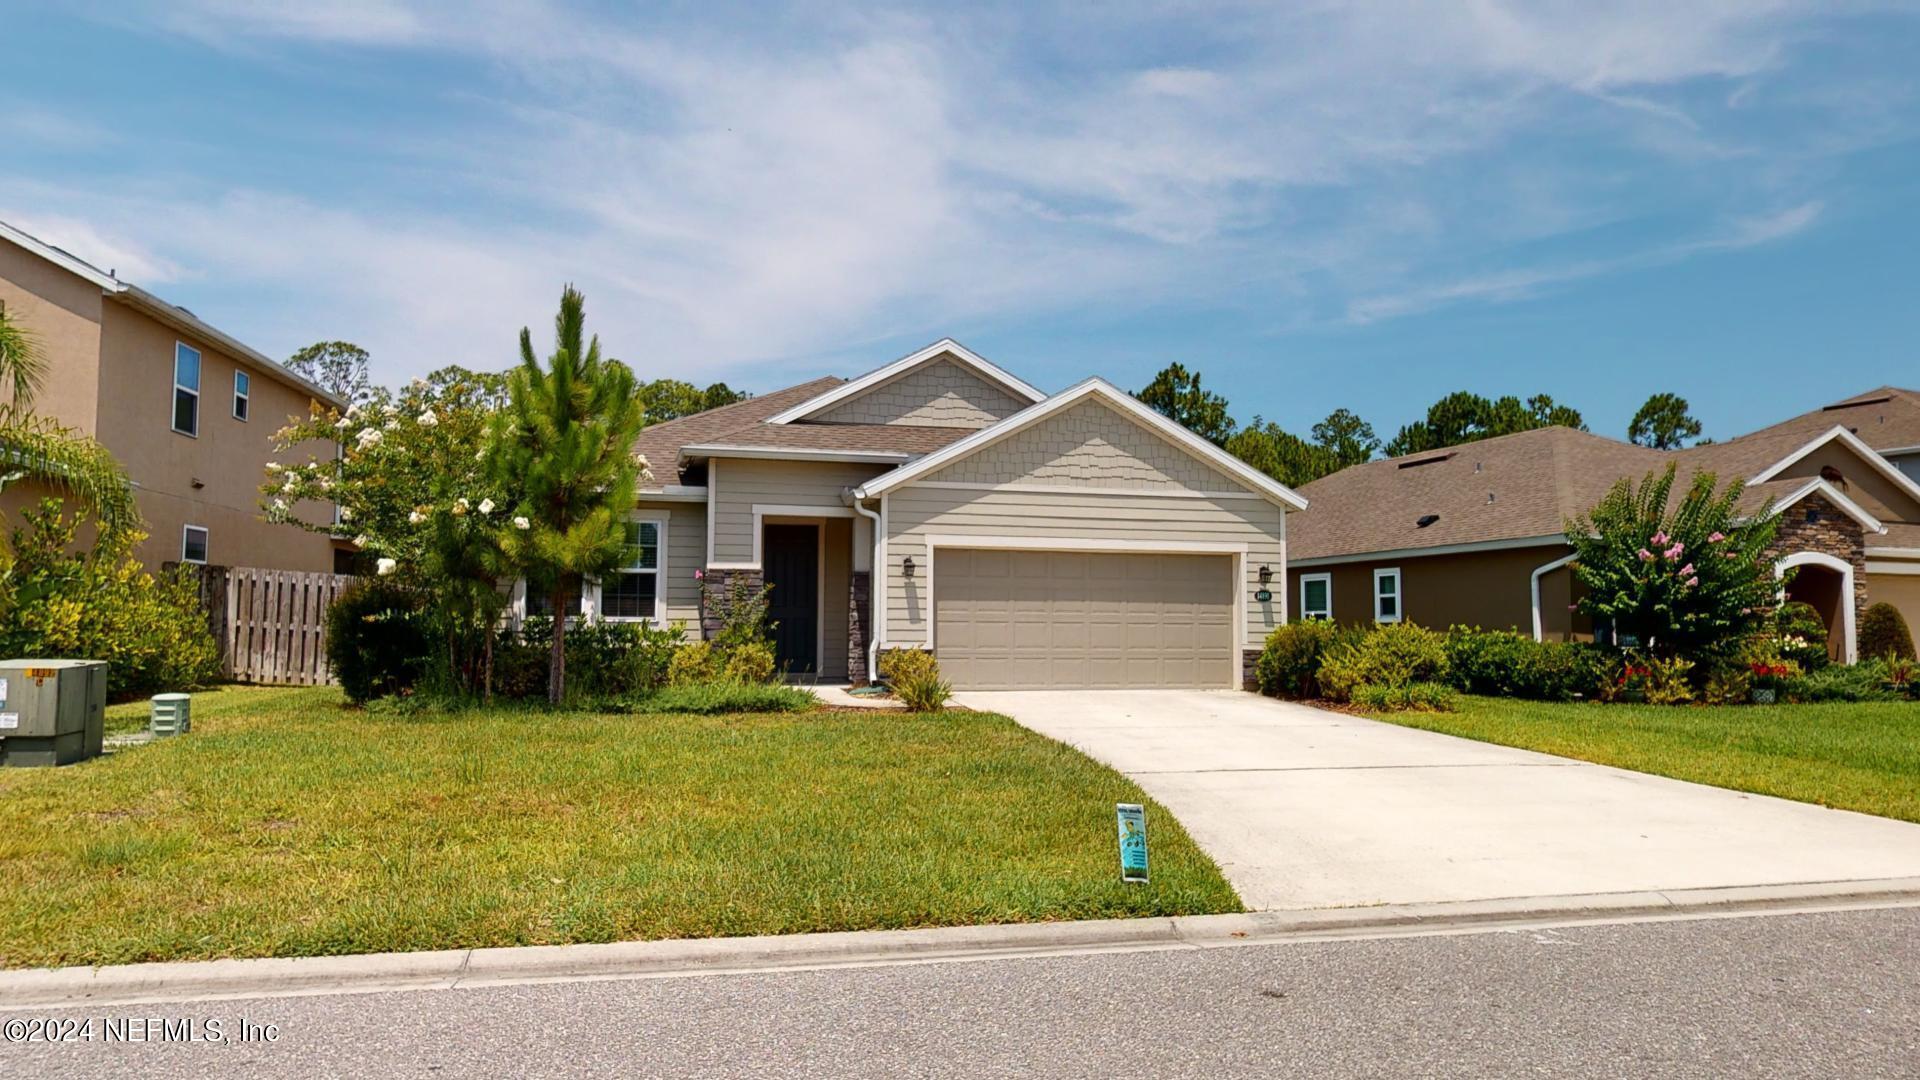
(1077, 540)
(187, 410)
(1475, 534)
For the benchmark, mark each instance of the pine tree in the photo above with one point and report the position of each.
(564, 444)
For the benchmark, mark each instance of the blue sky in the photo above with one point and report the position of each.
(1318, 205)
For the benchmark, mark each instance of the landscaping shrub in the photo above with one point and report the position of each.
(58, 601)
(1801, 635)
(377, 642)
(1289, 663)
(1728, 684)
(1669, 681)
(914, 677)
(1411, 697)
(604, 659)
(1884, 633)
(1844, 682)
(692, 664)
(1504, 663)
(1392, 654)
(751, 662)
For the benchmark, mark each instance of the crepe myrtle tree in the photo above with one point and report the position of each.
(411, 488)
(563, 447)
(1689, 580)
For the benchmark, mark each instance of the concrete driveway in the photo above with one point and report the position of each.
(1307, 808)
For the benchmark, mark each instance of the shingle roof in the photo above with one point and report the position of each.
(744, 424)
(1527, 485)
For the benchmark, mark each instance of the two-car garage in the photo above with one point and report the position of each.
(1029, 620)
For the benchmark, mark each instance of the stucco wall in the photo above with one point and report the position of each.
(736, 485)
(62, 310)
(1092, 446)
(228, 459)
(1490, 589)
(1900, 590)
(915, 513)
(1875, 493)
(940, 394)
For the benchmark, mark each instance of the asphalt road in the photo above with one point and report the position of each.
(1833, 994)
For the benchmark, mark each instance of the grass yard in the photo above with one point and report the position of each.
(288, 825)
(1862, 757)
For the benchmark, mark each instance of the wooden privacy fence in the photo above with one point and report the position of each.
(271, 624)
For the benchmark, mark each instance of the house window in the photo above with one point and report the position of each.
(241, 385)
(1316, 596)
(633, 591)
(193, 544)
(540, 601)
(186, 390)
(1386, 595)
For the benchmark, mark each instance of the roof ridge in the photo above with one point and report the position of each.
(758, 399)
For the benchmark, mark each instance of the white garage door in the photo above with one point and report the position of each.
(1041, 620)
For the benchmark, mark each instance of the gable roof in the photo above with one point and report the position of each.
(170, 314)
(1508, 490)
(945, 348)
(1121, 401)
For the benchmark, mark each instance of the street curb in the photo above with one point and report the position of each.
(459, 968)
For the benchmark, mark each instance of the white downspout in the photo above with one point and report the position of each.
(1539, 628)
(876, 576)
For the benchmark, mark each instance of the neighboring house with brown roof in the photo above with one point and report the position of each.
(1475, 534)
(1078, 540)
(187, 410)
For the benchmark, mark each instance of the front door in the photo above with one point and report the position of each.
(793, 569)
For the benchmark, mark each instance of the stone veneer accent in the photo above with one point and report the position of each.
(718, 581)
(1833, 534)
(860, 606)
(1249, 657)
(940, 394)
(1088, 445)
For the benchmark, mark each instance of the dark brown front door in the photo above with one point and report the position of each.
(793, 569)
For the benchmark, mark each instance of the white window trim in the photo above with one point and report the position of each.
(173, 397)
(206, 543)
(659, 617)
(240, 395)
(1306, 614)
(1399, 595)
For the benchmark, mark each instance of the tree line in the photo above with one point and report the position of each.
(1344, 438)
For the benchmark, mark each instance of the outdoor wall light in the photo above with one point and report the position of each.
(1266, 574)
(906, 567)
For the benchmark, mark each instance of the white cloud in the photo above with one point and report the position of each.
(745, 191)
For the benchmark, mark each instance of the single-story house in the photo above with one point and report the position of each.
(1475, 534)
(1069, 541)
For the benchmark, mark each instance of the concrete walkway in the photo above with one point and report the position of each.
(1308, 808)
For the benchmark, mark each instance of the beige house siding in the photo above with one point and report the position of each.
(940, 394)
(1875, 493)
(686, 553)
(836, 553)
(736, 485)
(228, 459)
(1900, 590)
(1088, 445)
(1489, 589)
(63, 311)
(1147, 523)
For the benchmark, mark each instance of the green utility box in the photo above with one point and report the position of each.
(52, 712)
(172, 714)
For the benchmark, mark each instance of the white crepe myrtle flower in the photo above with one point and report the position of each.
(522, 524)
(486, 506)
(280, 505)
(416, 518)
(391, 425)
(459, 507)
(346, 513)
(384, 566)
(362, 541)
(274, 466)
(369, 438)
(419, 383)
(427, 419)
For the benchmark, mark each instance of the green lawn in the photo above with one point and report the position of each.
(287, 825)
(1862, 757)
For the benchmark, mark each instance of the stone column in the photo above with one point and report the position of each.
(859, 626)
(718, 581)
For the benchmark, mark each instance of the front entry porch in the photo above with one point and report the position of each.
(816, 600)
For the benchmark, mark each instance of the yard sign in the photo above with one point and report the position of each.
(1132, 819)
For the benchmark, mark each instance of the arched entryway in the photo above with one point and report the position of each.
(1825, 582)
